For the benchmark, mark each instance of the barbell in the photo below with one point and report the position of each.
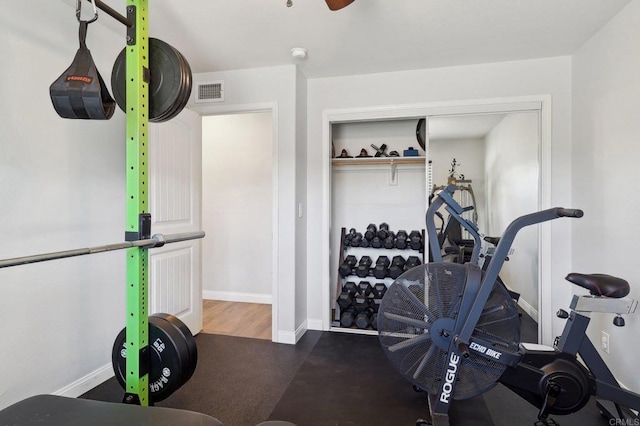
(157, 240)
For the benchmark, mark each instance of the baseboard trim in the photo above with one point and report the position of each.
(314, 324)
(525, 306)
(86, 383)
(291, 338)
(230, 296)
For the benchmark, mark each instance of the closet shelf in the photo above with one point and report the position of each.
(377, 160)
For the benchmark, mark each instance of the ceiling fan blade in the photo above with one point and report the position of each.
(338, 4)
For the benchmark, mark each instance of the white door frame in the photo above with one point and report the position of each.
(272, 107)
(540, 104)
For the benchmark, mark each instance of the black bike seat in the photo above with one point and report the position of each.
(492, 240)
(601, 284)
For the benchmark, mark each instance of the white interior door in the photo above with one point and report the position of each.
(175, 163)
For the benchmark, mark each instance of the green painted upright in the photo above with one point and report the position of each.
(137, 90)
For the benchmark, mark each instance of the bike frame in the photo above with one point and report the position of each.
(524, 373)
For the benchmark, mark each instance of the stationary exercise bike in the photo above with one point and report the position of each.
(453, 331)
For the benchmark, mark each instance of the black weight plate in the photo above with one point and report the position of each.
(186, 86)
(188, 338)
(421, 132)
(185, 93)
(165, 68)
(167, 352)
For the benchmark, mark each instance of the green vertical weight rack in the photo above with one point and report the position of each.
(138, 217)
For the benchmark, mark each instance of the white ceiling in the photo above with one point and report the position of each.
(370, 36)
(373, 35)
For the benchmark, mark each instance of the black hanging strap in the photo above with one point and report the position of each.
(80, 92)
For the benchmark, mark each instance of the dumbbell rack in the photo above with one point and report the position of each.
(373, 253)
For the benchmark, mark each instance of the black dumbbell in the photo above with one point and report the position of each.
(401, 240)
(415, 240)
(379, 289)
(390, 241)
(348, 237)
(383, 231)
(412, 262)
(348, 317)
(374, 320)
(350, 287)
(345, 299)
(362, 270)
(363, 319)
(361, 303)
(377, 242)
(371, 232)
(381, 269)
(364, 289)
(356, 240)
(375, 305)
(365, 243)
(347, 265)
(397, 266)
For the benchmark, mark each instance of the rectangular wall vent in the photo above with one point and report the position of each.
(212, 91)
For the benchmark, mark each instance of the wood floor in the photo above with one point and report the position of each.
(236, 319)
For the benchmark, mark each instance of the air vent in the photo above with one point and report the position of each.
(212, 91)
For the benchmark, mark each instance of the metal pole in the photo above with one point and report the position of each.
(114, 14)
(156, 241)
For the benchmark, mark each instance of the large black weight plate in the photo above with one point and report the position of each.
(185, 93)
(189, 340)
(169, 355)
(166, 89)
(421, 132)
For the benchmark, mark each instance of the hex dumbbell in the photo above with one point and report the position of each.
(390, 241)
(348, 237)
(379, 289)
(412, 262)
(381, 269)
(347, 265)
(364, 289)
(383, 231)
(350, 287)
(356, 240)
(397, 266)
(415, 240)
(362, 270)
(345, 299)
(363, 319)
(401, 239)
(348, 317)
(371, 232)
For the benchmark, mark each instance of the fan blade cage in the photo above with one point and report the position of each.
(431, 292)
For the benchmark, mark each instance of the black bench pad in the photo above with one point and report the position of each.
(59, 410)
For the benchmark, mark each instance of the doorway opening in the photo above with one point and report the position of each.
(238, 218)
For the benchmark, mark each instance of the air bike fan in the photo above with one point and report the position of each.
(414, 322)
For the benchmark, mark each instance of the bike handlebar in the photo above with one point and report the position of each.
(577, 213)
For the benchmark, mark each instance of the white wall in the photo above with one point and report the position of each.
(551, 76)
(301, 199)
(511, 165)
(62, 186)
(261, 89)
(237, 207)
(605, 150)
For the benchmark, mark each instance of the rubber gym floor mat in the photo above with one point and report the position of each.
(347, 380)
(508, 409)
(237, 380)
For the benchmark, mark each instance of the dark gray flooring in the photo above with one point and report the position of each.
(327, 379)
